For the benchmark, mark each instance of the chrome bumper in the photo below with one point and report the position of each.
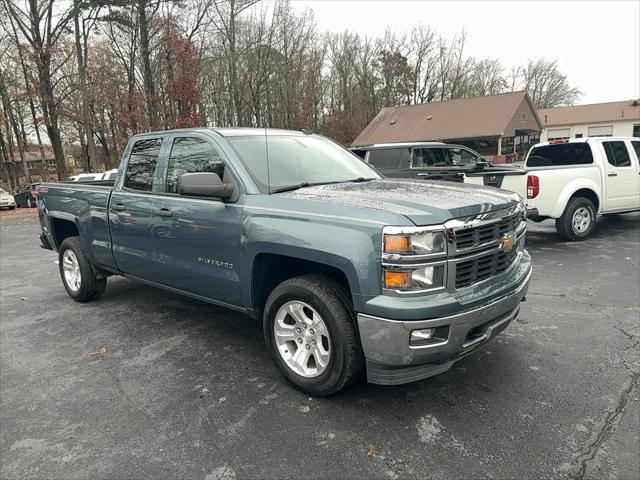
(392, 360)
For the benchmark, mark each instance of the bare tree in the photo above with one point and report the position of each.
(42, 27)
(547, 86)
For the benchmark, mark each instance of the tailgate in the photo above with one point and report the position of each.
(512, 179)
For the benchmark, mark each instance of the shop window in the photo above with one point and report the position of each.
(601, 131)
(559, 134)
(507, 146)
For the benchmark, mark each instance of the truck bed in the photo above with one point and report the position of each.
(85, 204)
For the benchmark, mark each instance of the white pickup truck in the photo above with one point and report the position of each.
(574, 180)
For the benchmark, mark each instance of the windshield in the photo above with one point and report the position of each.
(296, 160)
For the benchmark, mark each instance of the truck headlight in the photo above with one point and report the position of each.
(413, 241)
(425, 277)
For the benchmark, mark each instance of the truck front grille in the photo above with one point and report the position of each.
(471, 237)
(482, 267)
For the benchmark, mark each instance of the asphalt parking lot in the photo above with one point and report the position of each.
(147, 384)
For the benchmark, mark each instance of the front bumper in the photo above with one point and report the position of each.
(391, 360)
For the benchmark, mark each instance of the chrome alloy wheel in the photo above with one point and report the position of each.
(71, 269)
(581, 220)
(302, 339)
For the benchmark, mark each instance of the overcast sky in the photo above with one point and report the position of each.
(597, 44)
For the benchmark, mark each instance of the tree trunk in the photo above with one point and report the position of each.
(11, 123)
(149, 86)
(94, 165)
(34, 117)
(50, 113)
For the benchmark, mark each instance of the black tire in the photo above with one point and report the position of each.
(332, 302)
(91, 287)
(565, 224)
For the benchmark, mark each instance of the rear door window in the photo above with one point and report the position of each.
(617, 154)
(192, 155)
(561, 154)
(142, 164)
(461, 157)
(428, 157)
(636, 147)
(386, 159)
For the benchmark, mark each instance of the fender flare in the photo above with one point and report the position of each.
(353, 255)
(570, 189)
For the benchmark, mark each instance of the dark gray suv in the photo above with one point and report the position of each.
(430, 160)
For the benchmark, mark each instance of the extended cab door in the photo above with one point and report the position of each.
(198, 239)
(621, 176)
(130, 210)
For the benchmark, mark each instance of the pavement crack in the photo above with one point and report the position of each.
(630, 336)
(590, 452)
(558, 295)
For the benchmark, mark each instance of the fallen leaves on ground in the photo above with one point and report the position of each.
(372, 450)
(304, 408)
(19, 212)
(98, 353)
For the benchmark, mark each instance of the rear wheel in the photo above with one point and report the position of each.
(310, 332)
(78, 277)
(578, 220)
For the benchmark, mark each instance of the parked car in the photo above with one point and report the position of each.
(86, 177)
(573, 180)
(7, 200)
(27, 195)
(94, 177)
(436, 161)
(347, 271)
(110, 174)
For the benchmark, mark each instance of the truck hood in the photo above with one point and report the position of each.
(422, 202)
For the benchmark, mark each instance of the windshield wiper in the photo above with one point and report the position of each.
(360, 179)
(314, 184)
(297, 186)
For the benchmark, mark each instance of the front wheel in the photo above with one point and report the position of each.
(78, 277)
(310, 332)
(578, 220)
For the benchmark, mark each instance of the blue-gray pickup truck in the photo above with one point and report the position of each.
(348, 272)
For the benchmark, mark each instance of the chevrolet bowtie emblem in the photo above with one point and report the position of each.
(508, 242)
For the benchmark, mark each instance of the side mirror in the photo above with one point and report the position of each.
(204, 184)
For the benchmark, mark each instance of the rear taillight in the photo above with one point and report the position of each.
(533, 186)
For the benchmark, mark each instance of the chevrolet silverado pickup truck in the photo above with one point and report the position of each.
(347, 271)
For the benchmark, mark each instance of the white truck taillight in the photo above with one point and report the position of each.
(533, 186)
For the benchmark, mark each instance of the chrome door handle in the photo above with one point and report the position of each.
(118, 207)
(612, 174)
(162, 212)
